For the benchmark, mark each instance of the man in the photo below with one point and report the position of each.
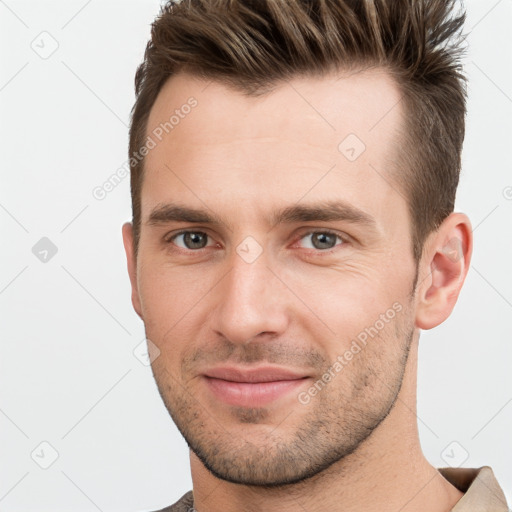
(294, 170)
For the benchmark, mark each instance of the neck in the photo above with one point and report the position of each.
(388, 472)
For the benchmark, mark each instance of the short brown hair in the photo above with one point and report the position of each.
(252, 45)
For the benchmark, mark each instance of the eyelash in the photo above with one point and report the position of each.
(343, 238)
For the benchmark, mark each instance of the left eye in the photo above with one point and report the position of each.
(322, 240)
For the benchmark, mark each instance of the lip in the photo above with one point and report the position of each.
(253, 375)
(252, 387)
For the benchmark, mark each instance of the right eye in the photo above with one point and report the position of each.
(190, 240)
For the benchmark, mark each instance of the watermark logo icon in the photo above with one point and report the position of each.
(45, 45)
(146, 352)
(453, 249)
(351, 147)
(44, 455)
(249, 249)
(44, 250)
(455, 454)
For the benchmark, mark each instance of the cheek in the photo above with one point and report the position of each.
(169, 290)
(173, 303)
(160, 302)
(345, 295)
(355, 307)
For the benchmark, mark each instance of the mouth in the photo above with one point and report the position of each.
(254, 387)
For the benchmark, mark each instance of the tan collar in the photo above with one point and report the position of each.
(481, 490)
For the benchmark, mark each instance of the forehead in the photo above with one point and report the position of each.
(333, 135)
(321, 108)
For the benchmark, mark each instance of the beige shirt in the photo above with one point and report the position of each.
(482, 492)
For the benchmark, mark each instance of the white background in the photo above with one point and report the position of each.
(68, 375)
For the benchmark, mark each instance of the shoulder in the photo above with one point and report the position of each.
(184, 504)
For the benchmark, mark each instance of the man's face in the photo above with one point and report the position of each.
(252, 309)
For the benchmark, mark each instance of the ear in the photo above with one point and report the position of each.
(132, 265)
(444, 266)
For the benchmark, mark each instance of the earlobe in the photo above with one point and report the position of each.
(132, 265)
(446, 263)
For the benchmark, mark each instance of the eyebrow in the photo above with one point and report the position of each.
(323, 212)
(328, 211)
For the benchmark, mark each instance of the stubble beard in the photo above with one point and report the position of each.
(337, 422)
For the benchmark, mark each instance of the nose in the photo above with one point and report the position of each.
(252, 301)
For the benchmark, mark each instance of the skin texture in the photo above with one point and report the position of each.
(300, 304)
